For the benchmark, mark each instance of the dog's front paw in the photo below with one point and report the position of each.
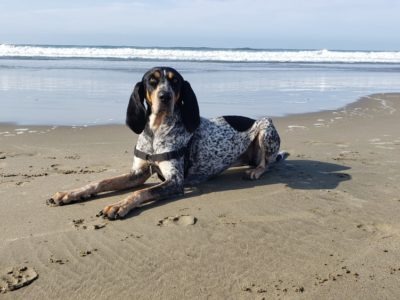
(61, 198)
(115, 211)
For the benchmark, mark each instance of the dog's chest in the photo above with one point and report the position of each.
(164, 139)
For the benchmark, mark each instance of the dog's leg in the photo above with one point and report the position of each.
(173, 185)
(259, 157)
(121, 182)
(138, 176)
(266, 149)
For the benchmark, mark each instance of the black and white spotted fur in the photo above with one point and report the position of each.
(163, 110)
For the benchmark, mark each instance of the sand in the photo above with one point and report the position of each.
(324, 224)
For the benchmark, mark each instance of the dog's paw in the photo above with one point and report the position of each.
(254, 174)
(115, 211)
(61, 198)
(282, 155)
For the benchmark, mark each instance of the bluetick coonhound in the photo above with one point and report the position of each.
(179, 145)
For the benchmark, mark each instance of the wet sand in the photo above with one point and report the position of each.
(322, 225)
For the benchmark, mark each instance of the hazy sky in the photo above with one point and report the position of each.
(310, 24)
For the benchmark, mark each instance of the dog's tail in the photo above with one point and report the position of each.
(282, 155)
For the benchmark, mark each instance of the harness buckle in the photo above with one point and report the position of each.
(151, 169)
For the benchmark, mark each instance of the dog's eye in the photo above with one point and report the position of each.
(174, 80)
(153, 81)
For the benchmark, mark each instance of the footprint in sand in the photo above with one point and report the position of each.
(82, 224)
(59, 261)
(182, 220)
(16, 277)
(74, 156)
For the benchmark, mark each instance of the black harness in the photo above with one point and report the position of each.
(161, 156)
(182, 152)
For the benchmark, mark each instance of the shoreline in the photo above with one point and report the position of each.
(321, 225)
(87, 92)
(290, 115)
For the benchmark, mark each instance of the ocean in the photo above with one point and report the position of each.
(89, 85)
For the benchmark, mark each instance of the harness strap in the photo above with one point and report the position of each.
(160, 157)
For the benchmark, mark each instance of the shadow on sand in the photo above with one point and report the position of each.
(296, 174)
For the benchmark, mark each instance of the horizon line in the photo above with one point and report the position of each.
(196, 47)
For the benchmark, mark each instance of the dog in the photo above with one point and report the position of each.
(181, 147)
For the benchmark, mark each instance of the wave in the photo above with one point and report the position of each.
(198, 54)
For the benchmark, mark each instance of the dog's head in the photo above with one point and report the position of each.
(161, 90)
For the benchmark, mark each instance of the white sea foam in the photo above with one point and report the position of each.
(21, 129)
(201, 54)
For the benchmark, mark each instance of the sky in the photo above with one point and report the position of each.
(276, 24)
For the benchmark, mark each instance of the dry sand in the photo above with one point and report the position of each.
(322, 225)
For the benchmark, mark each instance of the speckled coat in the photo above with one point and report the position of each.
(212, 148)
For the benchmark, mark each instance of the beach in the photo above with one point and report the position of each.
(324, 224)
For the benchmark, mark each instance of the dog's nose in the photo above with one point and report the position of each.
(164, 96)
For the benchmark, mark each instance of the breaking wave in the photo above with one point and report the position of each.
(197, 54)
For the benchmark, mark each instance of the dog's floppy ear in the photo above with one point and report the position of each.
(136, 115)
(189, 108)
